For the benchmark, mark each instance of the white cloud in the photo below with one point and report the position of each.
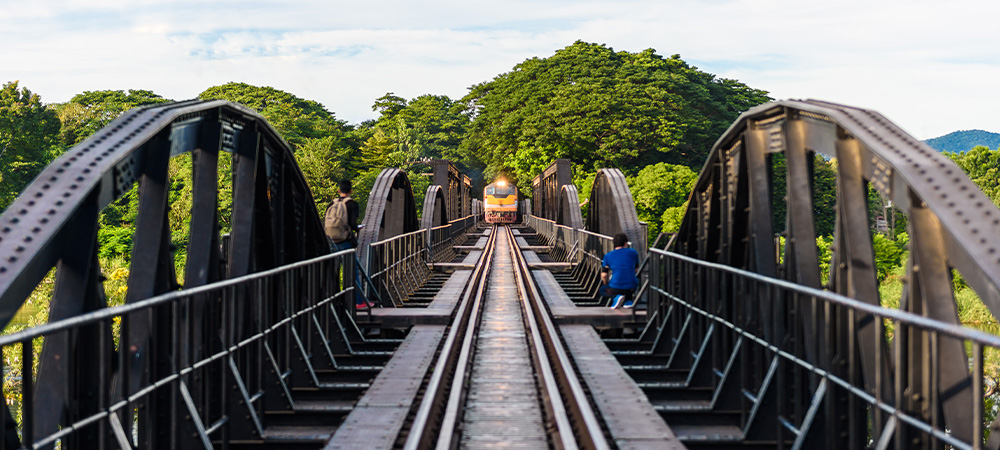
(927, 65)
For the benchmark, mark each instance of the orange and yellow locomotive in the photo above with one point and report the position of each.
(500, 202)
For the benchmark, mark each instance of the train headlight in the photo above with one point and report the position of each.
(501, 183)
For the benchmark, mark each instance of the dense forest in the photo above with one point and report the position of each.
(646, 114)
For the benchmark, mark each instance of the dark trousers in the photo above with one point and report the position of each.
(345, 245)
(612, 292)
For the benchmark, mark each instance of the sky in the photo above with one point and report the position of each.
(932, 67)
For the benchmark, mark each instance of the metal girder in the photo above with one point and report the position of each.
(391, 210)
(457, 187)
(952, 226)
(612, 210)
(435, 212)
(546, 189)
(569, 208)
(54, 225)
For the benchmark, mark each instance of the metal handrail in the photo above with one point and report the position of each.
(755, 309)
(959, 332)
(286, 301)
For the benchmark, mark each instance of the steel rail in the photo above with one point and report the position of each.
(567, 409)
(575, 422)
(433, 407)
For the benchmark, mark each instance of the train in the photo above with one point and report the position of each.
(500, 202)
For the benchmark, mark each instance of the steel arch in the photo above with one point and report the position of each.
(391, 210)
(53, 224)
(953, 225)
(569, 208)
(435, 212)
(546, 189)
(612, 209)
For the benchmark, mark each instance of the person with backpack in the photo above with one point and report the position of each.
(341, 219)
(341, 226)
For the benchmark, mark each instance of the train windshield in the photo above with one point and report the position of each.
(490, 190)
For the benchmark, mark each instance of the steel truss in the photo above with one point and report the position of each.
(98, 371)
(612, 209)
(546, 189)
(835, 361)
(456, 187)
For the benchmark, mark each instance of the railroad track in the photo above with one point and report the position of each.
(479, 394)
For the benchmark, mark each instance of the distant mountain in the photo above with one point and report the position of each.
(963, 141)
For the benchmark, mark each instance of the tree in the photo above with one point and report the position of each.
(600, 108)
(658, 188)
(28, 134)
(429, 126)
(982, 165)
(294, 118)
(322, 172)
(90, 111)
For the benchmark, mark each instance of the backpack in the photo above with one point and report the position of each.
(335, 224)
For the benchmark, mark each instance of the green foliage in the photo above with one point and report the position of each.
(670, 220)
(90, 111)
(889, 254)
(34, 312)
(982, 165)
(824, 255)
(429, 126)
(600, 108)
(28, 133)
(320, 161)
(295, 119)
(115, 242)
(824, 193)
(659, 187)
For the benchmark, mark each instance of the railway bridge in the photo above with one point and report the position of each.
(495, 336)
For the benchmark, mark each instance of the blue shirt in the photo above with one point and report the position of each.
(623, 263)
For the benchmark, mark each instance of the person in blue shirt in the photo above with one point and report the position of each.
(621, 281)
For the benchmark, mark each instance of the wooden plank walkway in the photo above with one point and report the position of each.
(438, 312)
(627, 412)
(381, 413)
(565, 312)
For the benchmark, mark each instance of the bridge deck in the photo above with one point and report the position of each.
(503, 407)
